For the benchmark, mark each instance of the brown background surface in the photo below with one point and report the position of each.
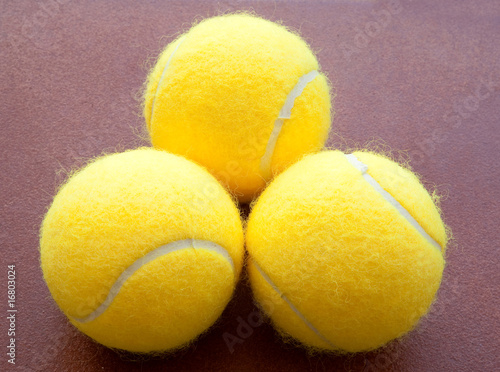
(426, 81)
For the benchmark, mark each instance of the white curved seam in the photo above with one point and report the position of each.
(161, 78)
(291, 305)
(285, 113)
(144, 260)
(363, 168)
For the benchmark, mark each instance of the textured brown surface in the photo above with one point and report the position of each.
(69, 77)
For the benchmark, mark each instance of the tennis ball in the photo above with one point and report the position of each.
(142, 250)
(346, 251)
(240, 95)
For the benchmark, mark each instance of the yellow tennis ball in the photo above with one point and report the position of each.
(240, 95)
(142, 250)
(346, 251)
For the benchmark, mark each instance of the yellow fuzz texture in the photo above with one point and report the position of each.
(115, 211)
(225, 84)
(349, 262)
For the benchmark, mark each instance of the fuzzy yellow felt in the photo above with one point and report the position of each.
(116, 213)
(216, 93)
(336, 265)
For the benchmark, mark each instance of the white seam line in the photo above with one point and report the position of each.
(290, 304)
(363, 168)
(158, 252)
(161, 78)
(285, 113)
